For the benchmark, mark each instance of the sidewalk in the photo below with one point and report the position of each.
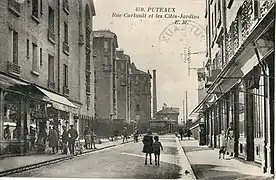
(15, 164)
(206, 165)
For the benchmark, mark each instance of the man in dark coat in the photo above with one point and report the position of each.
(73, 135)
(148, 145)
(64, 139)
(181, 133)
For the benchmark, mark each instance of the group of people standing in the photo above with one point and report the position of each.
(68, 139)
(89, 137)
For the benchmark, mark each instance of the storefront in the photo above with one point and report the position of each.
(27, 112)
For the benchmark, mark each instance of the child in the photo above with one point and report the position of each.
(156, 150)
(222, 145)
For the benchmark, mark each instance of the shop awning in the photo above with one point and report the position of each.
(58, 101)
(6, 81)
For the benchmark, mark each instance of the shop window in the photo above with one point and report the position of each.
(258, 109)
(241, 110)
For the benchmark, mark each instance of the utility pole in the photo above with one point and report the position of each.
(186, 107)
(183, 112)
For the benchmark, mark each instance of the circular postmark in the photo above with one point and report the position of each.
(183, 36)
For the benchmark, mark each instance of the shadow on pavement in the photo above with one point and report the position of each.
(170, 150)
(195, 148)
(220, 172)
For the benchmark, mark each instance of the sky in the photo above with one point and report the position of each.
(156, 42)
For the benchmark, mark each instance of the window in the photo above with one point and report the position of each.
(35, 60)
(105, 46)
(14, 47)
(65, 32)
(51, 25)
(106, 60)
(65, 69)
(41, 59)
(28, 48)
(122, 66)
(41, 7)
(87, 101)
(51, 68)
(137, 107)
(35, 8)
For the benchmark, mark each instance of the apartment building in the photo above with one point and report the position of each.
(105, 44)
(240, 82)
(123, 87)
(45, 75)
(140, 98)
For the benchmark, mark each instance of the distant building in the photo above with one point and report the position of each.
(105, 44)
(140, 97)
(123, 89)
(166, 120)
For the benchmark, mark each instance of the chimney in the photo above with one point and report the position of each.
(154, 98)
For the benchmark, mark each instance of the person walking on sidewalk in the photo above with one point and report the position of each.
(53, 140)
(64, 139)
(125, 134)
(148, 146)
(73, 135)
(87, 138)
(93, 139)
(230, 139)
(222, 145)
(156, 150)
(181, 133)
(135, 134)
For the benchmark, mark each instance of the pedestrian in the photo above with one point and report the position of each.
(222, 145)
(148, 146)
(156, 150)
(125, 134)
(64, 140)
(73, 135)
(181, 133)
(7, 133)
(189, 134)
(136, 135)
(87, 138)
(32, 137)
(53, 140)
(93, 139)
(230, 139)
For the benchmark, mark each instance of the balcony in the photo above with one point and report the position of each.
(65, 90)
(81, 39)
(51, 84)
(13, 68)
(66, 48)
(66, 6)
(51, 36)
(14, 7)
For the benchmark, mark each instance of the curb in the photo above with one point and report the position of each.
(52, 161)
(184, 159)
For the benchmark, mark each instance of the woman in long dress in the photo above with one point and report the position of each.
(148, 146)
(53, 140)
